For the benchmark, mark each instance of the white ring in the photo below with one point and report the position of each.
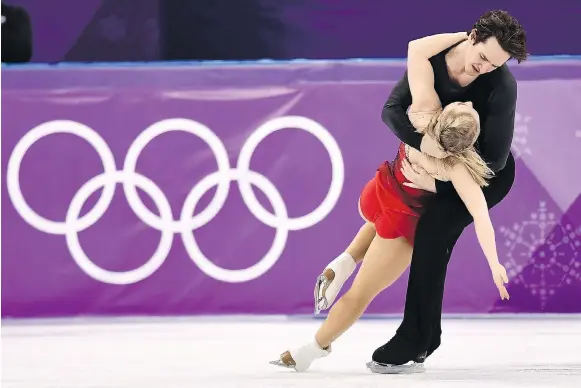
(165, 243)
(338, 171)
(271, 257)
(165, 222)
(13, 176)
(220, 153)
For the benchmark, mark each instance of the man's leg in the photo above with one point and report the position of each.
(494, 194)
(437, 232)
(437, 329)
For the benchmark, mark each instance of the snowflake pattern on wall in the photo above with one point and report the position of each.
(542, 254)
(520, 144)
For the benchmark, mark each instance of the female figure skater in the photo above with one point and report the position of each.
(390, 206)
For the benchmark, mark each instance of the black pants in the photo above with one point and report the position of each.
(437, 232)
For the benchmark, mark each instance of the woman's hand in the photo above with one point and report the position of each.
(500, 279)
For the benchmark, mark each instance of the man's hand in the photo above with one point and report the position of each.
(418, 177)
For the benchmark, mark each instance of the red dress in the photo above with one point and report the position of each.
(393, 208)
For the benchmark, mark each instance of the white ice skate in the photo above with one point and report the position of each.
(300, 359)
(329, 283)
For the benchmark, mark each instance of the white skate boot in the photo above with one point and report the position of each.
(329, 283)
(300, 359)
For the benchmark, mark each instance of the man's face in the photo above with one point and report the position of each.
(484, 57)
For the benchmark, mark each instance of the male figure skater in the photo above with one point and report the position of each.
(473, 70)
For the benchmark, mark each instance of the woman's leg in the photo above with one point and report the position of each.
(384, 263)
(336, 273)
(361, 242)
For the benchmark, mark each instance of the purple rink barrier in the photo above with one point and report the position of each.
(178, 238)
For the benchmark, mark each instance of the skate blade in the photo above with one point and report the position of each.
(389, 369)
(281, 364)
(320, 299)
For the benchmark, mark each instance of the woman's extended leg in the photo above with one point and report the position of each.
(336, 273)
(383, 264)
(361, 242)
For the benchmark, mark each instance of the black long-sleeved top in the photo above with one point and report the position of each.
(493, 95)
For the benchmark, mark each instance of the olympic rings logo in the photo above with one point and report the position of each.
(165, 223)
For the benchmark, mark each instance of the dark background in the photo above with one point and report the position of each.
(149, 30)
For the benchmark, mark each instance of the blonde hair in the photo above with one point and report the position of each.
(456, 132)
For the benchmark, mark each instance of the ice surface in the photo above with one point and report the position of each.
(235, 353)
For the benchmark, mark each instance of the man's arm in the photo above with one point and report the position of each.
(394, 114)
(498, 125)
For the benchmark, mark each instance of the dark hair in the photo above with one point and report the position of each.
(509, 33)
